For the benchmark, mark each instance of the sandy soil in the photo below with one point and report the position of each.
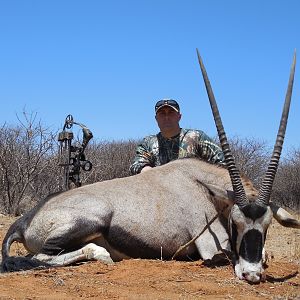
(155, 279)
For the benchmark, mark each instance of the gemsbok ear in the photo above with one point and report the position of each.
(225, 196)
(283, 217)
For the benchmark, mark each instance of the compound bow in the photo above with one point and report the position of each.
(72, 157)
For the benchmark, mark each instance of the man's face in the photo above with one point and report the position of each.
(167, 118)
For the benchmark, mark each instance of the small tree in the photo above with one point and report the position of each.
(24, 150)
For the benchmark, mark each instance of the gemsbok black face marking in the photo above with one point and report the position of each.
(153, 214)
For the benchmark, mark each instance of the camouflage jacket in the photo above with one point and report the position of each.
(155, 150)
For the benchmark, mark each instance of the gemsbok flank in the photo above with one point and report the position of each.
(153, 214)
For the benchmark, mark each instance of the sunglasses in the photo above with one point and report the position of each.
(169, 102)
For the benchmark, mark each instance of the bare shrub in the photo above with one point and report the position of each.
(286, 190)
(29, 168)
(24, 161)
(251, 157)
(111, 159)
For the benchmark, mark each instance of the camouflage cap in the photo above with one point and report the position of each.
(167, 102)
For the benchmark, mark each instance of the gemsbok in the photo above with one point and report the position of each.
(156, 213)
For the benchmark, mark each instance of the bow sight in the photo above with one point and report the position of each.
(72, 157)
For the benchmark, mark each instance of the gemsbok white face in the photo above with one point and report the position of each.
(248, 228)
(249, 220)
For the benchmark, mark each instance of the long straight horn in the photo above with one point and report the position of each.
(266, 187)
(240, 196)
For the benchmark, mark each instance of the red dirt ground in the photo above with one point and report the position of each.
(155, 279)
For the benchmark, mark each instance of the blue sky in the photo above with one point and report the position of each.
(108, 62)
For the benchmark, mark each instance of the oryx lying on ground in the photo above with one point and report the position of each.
(152, 214)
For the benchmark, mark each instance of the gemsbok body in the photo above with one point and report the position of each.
(153, 214)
